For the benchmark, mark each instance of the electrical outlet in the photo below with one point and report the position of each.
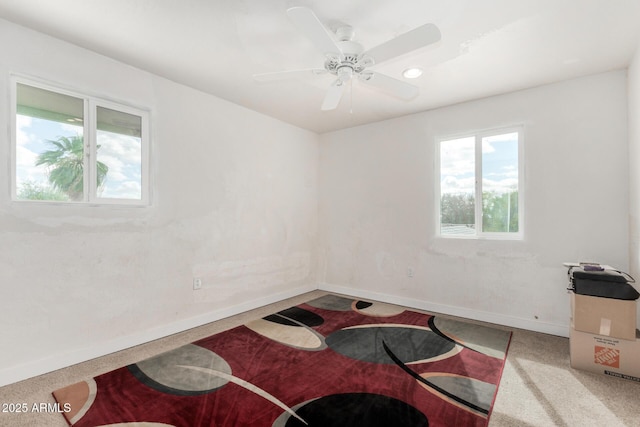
(409, 271)
(197, 283)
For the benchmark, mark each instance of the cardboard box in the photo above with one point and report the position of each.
(605, 355)
(604, 316)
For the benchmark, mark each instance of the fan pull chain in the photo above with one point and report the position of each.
(351, 97)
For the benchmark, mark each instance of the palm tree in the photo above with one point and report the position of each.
(66, 166)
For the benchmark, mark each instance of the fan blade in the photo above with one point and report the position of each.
(283, 75)
(333, 96)
(404, 43)
(390, 85)
(309, 24)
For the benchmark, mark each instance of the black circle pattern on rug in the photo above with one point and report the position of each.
(354, 410)
(409, 344)
(292, 315)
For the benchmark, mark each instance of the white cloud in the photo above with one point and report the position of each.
(72, 129)
(26, 169)
(123, 155)
(452, 184)
(509, 172)
(457, 157)
(500, 186)
(23, 123)
(487, 148)
(125, 190)
(126, 148)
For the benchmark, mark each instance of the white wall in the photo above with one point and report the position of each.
(377, 206)
(633, 77)
(234, 202)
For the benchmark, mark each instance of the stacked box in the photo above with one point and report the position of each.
(603, 337)
(604, 316)
(605, 355)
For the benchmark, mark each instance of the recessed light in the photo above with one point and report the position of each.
(412, 73)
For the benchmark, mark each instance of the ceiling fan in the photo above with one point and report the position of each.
(347, 59)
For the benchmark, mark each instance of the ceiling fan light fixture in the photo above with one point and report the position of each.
(412, 73)
(345, 73)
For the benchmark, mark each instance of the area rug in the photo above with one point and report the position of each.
(330, 362)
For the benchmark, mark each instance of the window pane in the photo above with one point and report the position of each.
(49, 145)
(500, 183)
(457, 186)
(119, 155)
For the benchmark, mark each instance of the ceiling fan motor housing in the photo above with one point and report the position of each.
(350, 61)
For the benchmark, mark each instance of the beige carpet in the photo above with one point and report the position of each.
(538, 387)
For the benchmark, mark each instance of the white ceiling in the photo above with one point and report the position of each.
(488, 47)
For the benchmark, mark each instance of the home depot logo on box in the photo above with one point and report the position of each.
(607, 356)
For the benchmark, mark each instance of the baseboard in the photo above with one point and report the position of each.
(499, 319)
(28, 370)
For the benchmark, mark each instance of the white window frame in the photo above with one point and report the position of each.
(91, 103)
(478, 136)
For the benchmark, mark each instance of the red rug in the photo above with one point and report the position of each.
(329, 362)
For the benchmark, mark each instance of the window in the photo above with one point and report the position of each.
(480, 187)
(77, 149)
